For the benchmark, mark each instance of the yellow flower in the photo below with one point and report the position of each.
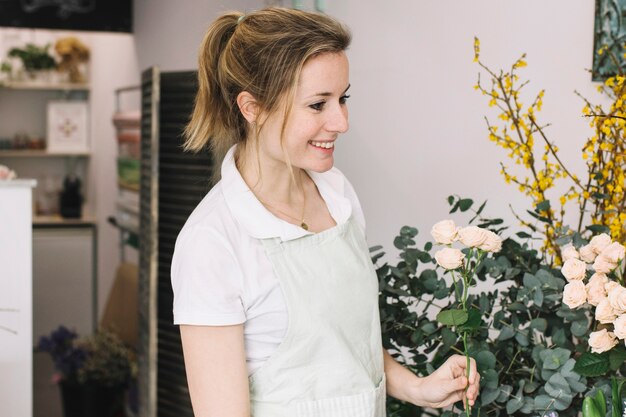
(520, 64)
(476, 49)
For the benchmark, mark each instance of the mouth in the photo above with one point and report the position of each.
(323, 145)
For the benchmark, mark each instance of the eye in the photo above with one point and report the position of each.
(343, 99)
(317, 106)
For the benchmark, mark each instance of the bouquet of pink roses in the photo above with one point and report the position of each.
(602, 259)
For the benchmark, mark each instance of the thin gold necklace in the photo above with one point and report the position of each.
(301, 220)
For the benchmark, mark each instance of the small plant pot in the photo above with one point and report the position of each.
(89, 400)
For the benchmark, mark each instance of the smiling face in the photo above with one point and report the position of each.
(317, 116)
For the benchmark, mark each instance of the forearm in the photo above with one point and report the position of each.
(401, 383)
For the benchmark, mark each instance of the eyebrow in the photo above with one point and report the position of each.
(330, 94)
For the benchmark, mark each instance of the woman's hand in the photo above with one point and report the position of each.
(448, 384)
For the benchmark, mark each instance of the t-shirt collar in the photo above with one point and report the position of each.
(259, 222)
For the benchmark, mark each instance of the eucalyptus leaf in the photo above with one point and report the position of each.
(485, 360)
(543, 206)
(408, 231)
(538, 297)
(514, 404)
(522, 338)
(448, 337)
(528, 406)
(505, 393)
(579, 328)
(465, 204)
(554, 358)
(488, 395)
(531, 282)
(557, 386)
(506, 333)
(539, 324)
(489, 379)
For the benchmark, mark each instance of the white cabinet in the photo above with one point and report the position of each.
(16, 331)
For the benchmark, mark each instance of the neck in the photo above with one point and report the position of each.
(270, 180)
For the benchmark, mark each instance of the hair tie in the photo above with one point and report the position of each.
(240, 18)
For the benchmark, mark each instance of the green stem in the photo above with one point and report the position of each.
(468, 407)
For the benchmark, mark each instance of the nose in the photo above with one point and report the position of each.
(338, 119)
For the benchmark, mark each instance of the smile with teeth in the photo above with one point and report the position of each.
(325, 145)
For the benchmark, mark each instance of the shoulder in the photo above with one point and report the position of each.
(206, 275)
(209, 234)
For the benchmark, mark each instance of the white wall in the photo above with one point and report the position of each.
(417, 125)
(168, 33)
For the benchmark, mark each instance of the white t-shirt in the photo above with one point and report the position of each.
(220, 272)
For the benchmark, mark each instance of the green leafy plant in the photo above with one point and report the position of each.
(524, 347)
(34, 57)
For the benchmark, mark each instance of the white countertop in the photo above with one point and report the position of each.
(18, 183)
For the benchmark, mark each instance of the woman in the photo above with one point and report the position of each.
(275, 293)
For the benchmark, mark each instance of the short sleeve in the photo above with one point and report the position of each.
(206, 280)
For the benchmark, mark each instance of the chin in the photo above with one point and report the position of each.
(321, 168)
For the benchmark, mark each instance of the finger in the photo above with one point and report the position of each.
(459, 383)
(457, 364)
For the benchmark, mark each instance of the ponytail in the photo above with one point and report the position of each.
(215, 120)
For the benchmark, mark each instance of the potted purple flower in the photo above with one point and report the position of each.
(93, 372)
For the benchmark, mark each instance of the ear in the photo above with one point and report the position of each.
(248, 106)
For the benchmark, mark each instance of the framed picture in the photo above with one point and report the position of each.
(67, 126)
(610, 33)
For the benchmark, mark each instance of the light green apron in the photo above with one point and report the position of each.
(330, 363)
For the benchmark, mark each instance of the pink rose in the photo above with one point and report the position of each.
(595, 288)
(599, 242)
(608, 287)
(604, 312)
(617, 298)
(601, 341)
(574, 294)
(619, 326)
(472, 236)
(604, 265)
(614, 252)
(449, 258)
(587, 254)
(574, 269)
(444, 232)
(493, 243)
(569, 252)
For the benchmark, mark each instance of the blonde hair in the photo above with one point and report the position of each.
(263, 53)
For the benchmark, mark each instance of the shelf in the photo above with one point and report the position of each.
(57, 220)
(25, 85)
(39, 153)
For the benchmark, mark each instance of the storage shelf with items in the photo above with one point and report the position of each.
(128, 136)
(30, 85)
(29, 117)
(44, 118)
